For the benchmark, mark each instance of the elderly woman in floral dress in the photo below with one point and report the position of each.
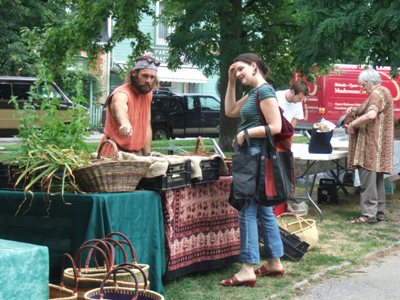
(371, 145)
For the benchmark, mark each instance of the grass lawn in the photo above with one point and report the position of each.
(162, 146)
(340, 244)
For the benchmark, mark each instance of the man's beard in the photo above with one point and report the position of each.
(141, 88)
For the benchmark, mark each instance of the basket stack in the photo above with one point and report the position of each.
(110, 175)
(96, 257)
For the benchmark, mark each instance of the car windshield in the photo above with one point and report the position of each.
(49, 92)
(208, 103)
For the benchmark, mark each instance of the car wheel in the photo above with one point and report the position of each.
(161, 133)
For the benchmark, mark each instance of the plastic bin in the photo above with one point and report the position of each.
(293, 247)
(210, 171)
(178, 175)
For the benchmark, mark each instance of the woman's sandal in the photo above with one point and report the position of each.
(233, 281)
(364, 219)
(263, 271)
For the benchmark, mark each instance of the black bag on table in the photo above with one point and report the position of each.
(320, 142)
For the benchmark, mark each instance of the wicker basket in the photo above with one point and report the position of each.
(203, 152)
(118, 293)
(305, 229)
(61, 293)
(228, 163)
(110, 175)
(92, 277)
(92, 274)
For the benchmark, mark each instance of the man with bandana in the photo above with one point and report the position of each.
(128, 109)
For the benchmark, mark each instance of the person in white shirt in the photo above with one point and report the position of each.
(291, 101)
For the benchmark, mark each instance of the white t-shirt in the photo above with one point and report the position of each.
(290, 110)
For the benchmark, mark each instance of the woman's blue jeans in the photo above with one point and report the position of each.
(249, 243)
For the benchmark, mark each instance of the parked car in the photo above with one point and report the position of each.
(183, 115)
(20, 87)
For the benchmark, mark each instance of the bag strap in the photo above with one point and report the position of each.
(269, 139)
(261, 115)
(287, 129)
(245, 145)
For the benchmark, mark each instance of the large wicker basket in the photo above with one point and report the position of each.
(121, 293)
(61, 293)
(110, 175)
(305, 229)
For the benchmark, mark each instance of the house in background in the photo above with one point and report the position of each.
(186, 79)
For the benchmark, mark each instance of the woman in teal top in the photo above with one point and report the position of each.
(252, 71)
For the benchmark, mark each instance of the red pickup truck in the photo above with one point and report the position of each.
(331, 94)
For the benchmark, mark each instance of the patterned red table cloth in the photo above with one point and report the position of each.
(202, 230)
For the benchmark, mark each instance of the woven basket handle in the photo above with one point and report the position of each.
(127, 241)
(199, 141)
(299, 219)
(138, 268)
(108, 249)
(113, 144)
(69, 257)
(115, 243)
(77, 256)
(114, 272)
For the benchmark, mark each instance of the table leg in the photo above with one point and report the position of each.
(309, 189)
(336, 176)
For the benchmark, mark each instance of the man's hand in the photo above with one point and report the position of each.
(125, 129)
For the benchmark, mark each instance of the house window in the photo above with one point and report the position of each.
(162, 30)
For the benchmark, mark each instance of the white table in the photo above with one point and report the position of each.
(300, 153)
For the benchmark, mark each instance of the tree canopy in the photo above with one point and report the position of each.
(209, 34)
(357, 31)
(212, 34)
(15, 55)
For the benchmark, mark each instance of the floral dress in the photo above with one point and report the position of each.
(371, 146)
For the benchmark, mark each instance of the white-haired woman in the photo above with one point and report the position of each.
(371, 145)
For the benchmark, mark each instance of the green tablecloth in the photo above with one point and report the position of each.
(64, 226)
(24, 271)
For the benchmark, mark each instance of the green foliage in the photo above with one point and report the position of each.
(361, 32)
(15, 55)
(83, 27)
(52, 144)
(44, 123)
(77, 84)
(210, 35)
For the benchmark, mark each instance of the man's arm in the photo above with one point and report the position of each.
(119, 110)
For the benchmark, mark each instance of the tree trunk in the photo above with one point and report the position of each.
(231, 45)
